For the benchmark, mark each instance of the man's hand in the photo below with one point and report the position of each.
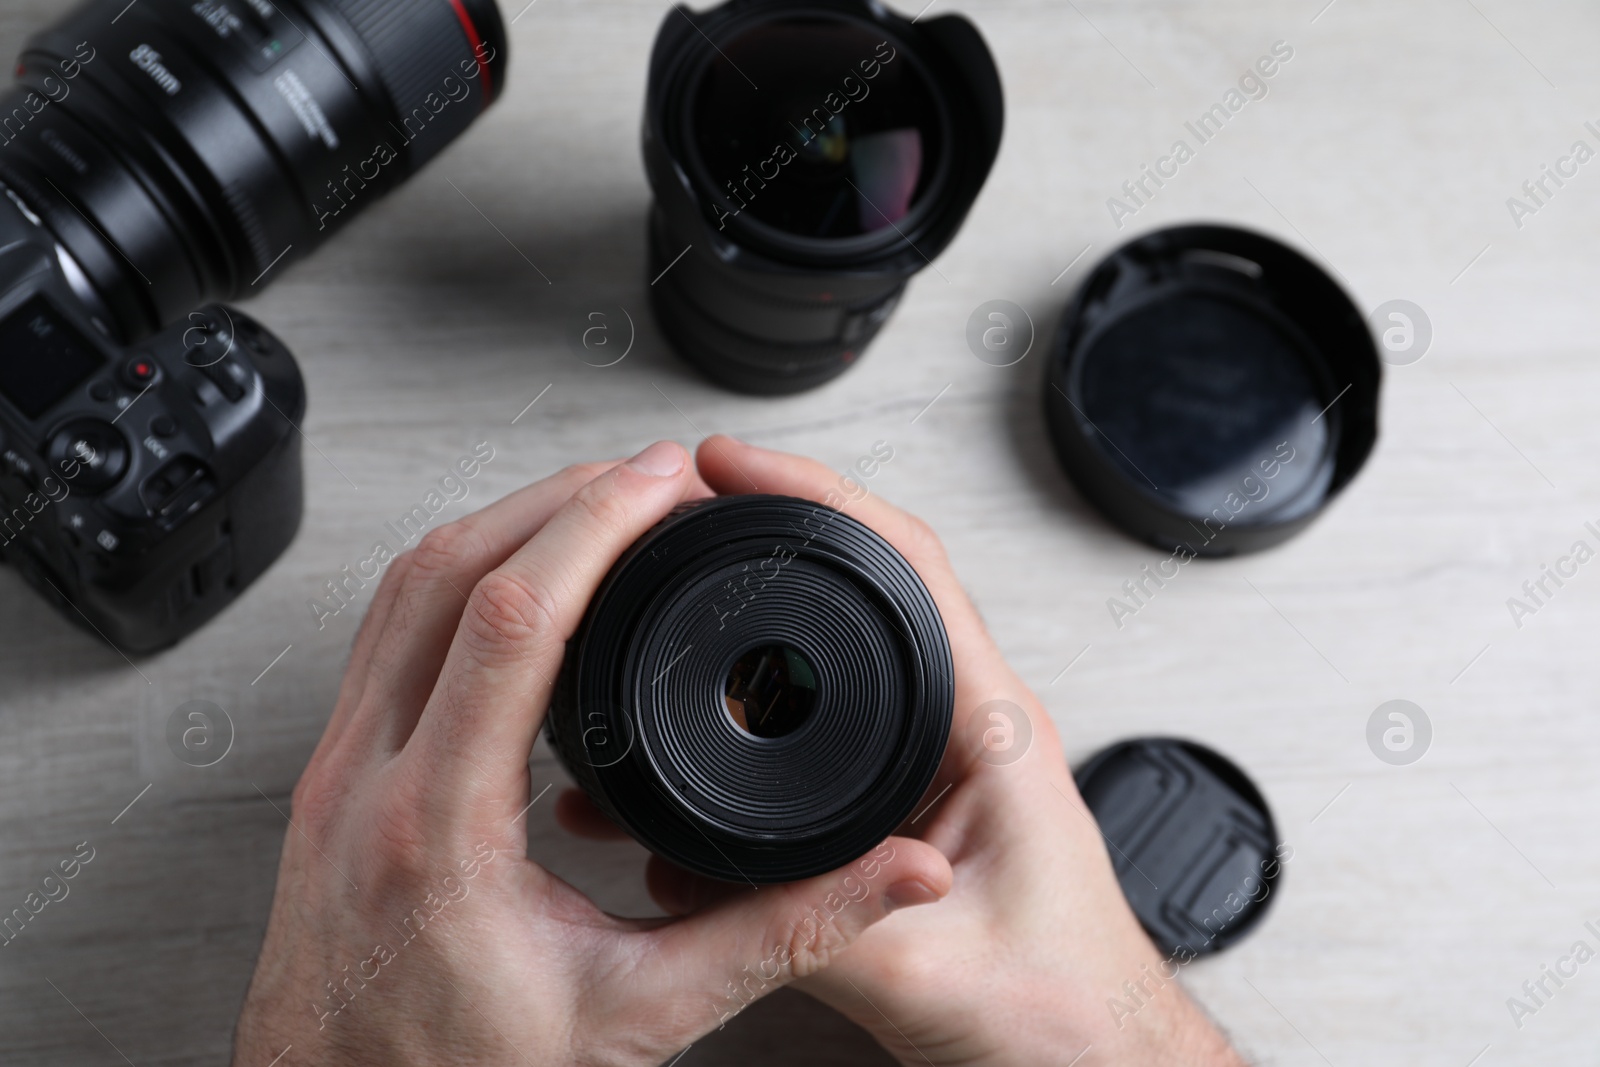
(409, 925)
(1021, 963)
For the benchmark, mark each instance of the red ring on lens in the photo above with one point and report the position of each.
(477, 49)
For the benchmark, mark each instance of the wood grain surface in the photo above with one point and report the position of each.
(1419, 898)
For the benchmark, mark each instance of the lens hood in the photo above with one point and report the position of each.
(760, 692)
(1211, 390)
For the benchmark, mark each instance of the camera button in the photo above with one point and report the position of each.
(94, 448)
(140, 372)
(164, 426)
(102, 391)
(230, 376)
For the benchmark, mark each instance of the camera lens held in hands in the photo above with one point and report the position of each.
(807, 159)
(760, 692)
(155, 157)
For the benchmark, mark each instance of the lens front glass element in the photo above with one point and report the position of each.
(771, 691)
(819, 128)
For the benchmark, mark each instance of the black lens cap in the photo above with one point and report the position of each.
(1191, 840)
(1212, 389)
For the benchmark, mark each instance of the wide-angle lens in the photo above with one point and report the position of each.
(807, 157)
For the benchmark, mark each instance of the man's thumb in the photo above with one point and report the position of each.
(752, 943)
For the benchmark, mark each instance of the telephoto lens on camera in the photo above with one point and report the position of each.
(760, 692)
(807, 157)
(184, 151)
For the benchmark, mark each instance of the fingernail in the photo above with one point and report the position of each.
(661, 460)
(908, 895)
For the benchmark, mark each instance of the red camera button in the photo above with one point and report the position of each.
(141, 372)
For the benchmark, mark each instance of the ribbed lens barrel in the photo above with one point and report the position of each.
(414, 46)
(760, 692)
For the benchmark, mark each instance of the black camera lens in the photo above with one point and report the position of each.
(184, 151)
(760, 692)
(808, 157)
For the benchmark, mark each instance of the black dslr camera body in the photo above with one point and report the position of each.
(141, 487)
(154, 158)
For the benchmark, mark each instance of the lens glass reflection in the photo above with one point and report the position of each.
(819, 128)
(771, 691)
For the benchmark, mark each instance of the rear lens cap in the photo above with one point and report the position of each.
(1212, 389)
(1192, 841)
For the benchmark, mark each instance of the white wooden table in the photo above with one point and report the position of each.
(1419, 898)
